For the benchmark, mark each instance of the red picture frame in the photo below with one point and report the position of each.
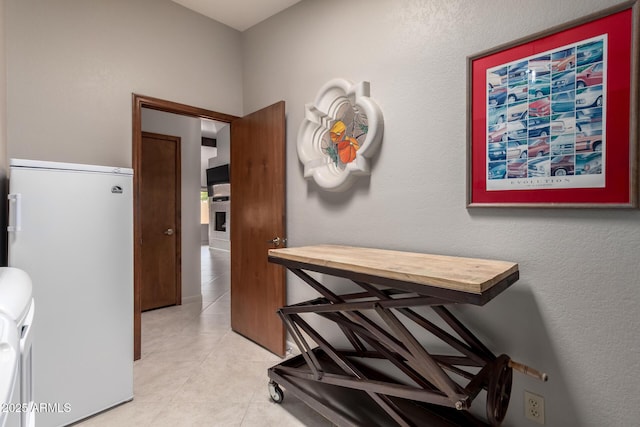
(617, 31)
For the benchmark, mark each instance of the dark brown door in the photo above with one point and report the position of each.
(160, 217)
(258, 216)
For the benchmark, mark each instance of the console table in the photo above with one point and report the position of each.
(385, 376)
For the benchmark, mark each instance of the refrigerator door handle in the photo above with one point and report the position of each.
(15, 212)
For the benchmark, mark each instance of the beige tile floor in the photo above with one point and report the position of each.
(195, 371)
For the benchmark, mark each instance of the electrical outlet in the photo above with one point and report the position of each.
(534, 407)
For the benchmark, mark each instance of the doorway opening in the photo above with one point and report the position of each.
(258, 287)
(138, 103)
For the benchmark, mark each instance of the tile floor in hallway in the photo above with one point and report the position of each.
(195, 371)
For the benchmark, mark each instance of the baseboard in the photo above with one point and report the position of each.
(222, 245)
(191, 299)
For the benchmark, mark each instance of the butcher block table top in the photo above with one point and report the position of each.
(468, 275)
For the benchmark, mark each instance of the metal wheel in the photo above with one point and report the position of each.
(275, 392)
(499, 391)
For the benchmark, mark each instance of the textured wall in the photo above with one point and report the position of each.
(3, 135)
(573, 313)
(72, 66)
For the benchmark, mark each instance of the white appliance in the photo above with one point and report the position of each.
(9, 367)
(71, 229)
(16, 304)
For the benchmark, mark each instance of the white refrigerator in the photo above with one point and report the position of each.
(71, 229)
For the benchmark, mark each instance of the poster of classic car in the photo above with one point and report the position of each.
(544, 126)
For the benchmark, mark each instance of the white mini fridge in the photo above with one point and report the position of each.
(71, 229)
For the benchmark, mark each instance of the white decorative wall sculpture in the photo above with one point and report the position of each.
(341, 131)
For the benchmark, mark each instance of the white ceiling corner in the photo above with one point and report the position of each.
(210, 128)
(238, 14)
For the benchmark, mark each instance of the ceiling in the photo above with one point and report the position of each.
(238, 14)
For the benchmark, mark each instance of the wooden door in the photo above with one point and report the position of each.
(258, 288)
(160, 217)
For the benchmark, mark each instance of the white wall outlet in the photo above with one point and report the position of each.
(534, 407)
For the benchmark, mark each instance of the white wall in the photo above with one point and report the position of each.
(223, 146)
(574, 312)
(73, 65)
(188, 129)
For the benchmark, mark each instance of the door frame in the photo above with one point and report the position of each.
(139, 102)
(176, 209)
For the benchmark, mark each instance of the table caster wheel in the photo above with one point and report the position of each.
(275, 392)
(499, 390)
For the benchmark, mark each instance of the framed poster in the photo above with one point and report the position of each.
(553, 118)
